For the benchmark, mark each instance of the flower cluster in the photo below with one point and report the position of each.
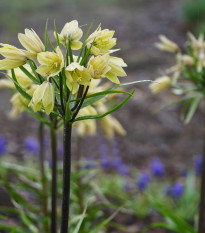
(43, 74)
(58, 82)
(187, 76)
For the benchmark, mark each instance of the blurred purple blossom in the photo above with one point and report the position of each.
(89, 163)
(105, 162)
(2, 145)
(157, 167)
(198, 160)
(31, 145)
(123, 170)
(143, 180)
(177, 189)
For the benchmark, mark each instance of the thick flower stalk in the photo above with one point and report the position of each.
(68, 88)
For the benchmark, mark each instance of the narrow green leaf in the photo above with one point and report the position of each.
(105, 114)
(80, 221)
(192, 109)
(51, 45)
(105, 222)
(33, 68)
(29, 75)
(18, 87)
(46, 36)
(70, 51)
(86, 36)
(56, 34)
(158, 225)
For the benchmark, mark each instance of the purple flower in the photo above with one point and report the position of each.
(105, 162)
(117, 162)
(198, 160)
(177, 189)
(2, 145)
(123, 170)
(157, 167)
(31, 145)
(143, 180)
(89, 164)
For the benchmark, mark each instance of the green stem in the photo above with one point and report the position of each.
(66, 177)
(54, 176)
(43, 176)
(80, 185)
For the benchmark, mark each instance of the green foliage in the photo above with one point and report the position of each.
(193, 12)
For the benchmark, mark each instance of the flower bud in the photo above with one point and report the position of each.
(160, 84)
(44, 97)
(71, 32)
(167, 45)
(31, 42)
(13, 57)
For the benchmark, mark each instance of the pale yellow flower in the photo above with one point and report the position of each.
(109, 124)
(116, 65)
(14, 57)
(201, 61)
(51, 63)
(31, 42)
(167, 45)
(105, 66)
(103, 41)
(72, 32)
(75, 75)
(6, 83)
(19, 103)
(187, 60)
(23, 80)
(99, 66)
(197, 44)
(160, 84)
(43, 96)
(86, 127)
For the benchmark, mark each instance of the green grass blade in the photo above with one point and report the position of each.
(105, 114)
(18, 87)
(26, 72)
(46, 36)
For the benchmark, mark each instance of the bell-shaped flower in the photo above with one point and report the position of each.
(109, 124)
(14, 57)
(167, 45)
(75, 75)
(6, 83)
(116, 65)
(102, 41)
(71, 32)
(31, 42)
(98, 66)
(43, 96)
(51, 63)
(23, 80)
(88, 127)
(19, 103)
(160, 84)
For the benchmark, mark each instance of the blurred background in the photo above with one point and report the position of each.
(137, 24)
